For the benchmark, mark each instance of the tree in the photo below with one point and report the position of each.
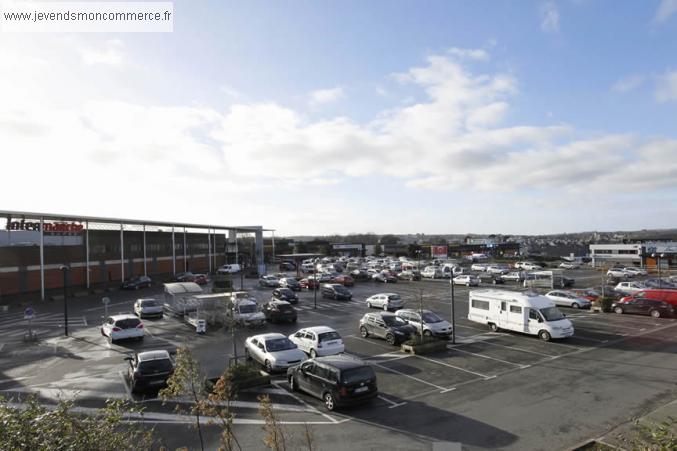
(275, 437)
(389, 239)
(32, 426)
(187, 381)
(378, 250)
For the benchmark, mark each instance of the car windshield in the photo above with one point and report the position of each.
(247, 308)
(328, 336)
(394, 321)
(149, 303)
(128, 323)
(430, 317)
(155, 366)
(279, 344)
(394, 297)
(551, 314)
(359, 374)
(341, 289)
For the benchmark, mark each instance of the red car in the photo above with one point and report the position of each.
(344, 280)
(200, 279)
(308, 284)
(590, 295)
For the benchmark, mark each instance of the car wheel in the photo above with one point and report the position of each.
(655, 313)
(618, 310)
(247, 355)
(292, 384)
(329, 402)
(493, 327)
(368, 304)
(268, 367)
(575, 305)
(427, 333)
(544, 335)
(313, 354)
(390, 339)
(364, 333)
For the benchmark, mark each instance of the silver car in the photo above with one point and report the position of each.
(568, 299)
(274, 351)
(147, 307)
(433, 325)
(385, 301)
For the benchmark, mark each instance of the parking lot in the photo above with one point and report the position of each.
(512, 382)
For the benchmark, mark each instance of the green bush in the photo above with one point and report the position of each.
(242, 371)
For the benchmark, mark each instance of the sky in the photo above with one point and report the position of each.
(514, 117)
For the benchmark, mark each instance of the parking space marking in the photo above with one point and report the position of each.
(441, 389)
(486, 376)
(393, 404)
(594, 340)
(453, 348)
(589, 323)
(315, 312)
(518, 349)
(305, 404)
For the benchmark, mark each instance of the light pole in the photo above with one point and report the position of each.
(658, 263)
(64, 269)
(315, 286)
(453, 316)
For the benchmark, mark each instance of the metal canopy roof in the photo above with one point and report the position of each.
(80, 218)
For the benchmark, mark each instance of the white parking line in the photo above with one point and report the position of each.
(84, 320)
(452, 348)
(518, 349)
(441, 389)
(453, 366)
(393, 404)
(305, 404)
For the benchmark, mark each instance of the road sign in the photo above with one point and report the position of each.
(29, 313)
(105, 301)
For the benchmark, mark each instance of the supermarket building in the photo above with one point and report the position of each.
(102, 252)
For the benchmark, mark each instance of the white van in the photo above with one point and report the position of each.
(229, 269)
(528, 313)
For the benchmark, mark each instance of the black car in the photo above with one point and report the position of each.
(285, 294)
(287, 266)
(276, 311)
(336, 291)
(388, 326)
(135, 283)
(360, 274)
(337, 380)
(494, 279)
(149, 370)
(291, 283)
(642, 306)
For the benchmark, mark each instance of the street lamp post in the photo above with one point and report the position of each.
(453, 316)
(658, 263)
(64, 269)
(315, 286)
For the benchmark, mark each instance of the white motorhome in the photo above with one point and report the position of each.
(529, 313)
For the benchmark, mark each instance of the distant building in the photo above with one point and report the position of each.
(643, 254)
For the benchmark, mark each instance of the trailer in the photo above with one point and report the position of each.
(179, 298)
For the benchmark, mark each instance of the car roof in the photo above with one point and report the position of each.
(381, 314)
(319, 329)
(279, 302)
(146, 299)
(268, 336)
(342, 362)
(411, 310)
(385, 294)
(159, 354)
(123, 316)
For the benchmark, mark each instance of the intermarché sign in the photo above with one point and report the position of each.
(58, 227)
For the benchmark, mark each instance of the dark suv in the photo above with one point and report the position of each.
(388, 326)
(336, 291)
(137, 282)
(149, 370)
(644, 306)
(285, 294)
(337, 380)
(276, 311)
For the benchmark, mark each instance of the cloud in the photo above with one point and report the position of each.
(666, 88)
(665, 10)
(229, 91)
(628, 84)
(474, 54)
(549, 17)
(112, 54)
(323, 96)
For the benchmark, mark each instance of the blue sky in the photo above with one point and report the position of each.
(338, 117)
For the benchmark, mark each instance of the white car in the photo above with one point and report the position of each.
(318, 341)
(629, 287)
(530, 266)
(121, 327)
(274, 351)
(148, 307)
(567, 299)
(269, 281)
(514, 276)
(247, 312)
(498, 269)
(229, 269)
(569, 265)
(386, 301)
(632, 271)
(432, 272)
(479, 267)
(467, 280)
(432, 324)
(618, 273)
